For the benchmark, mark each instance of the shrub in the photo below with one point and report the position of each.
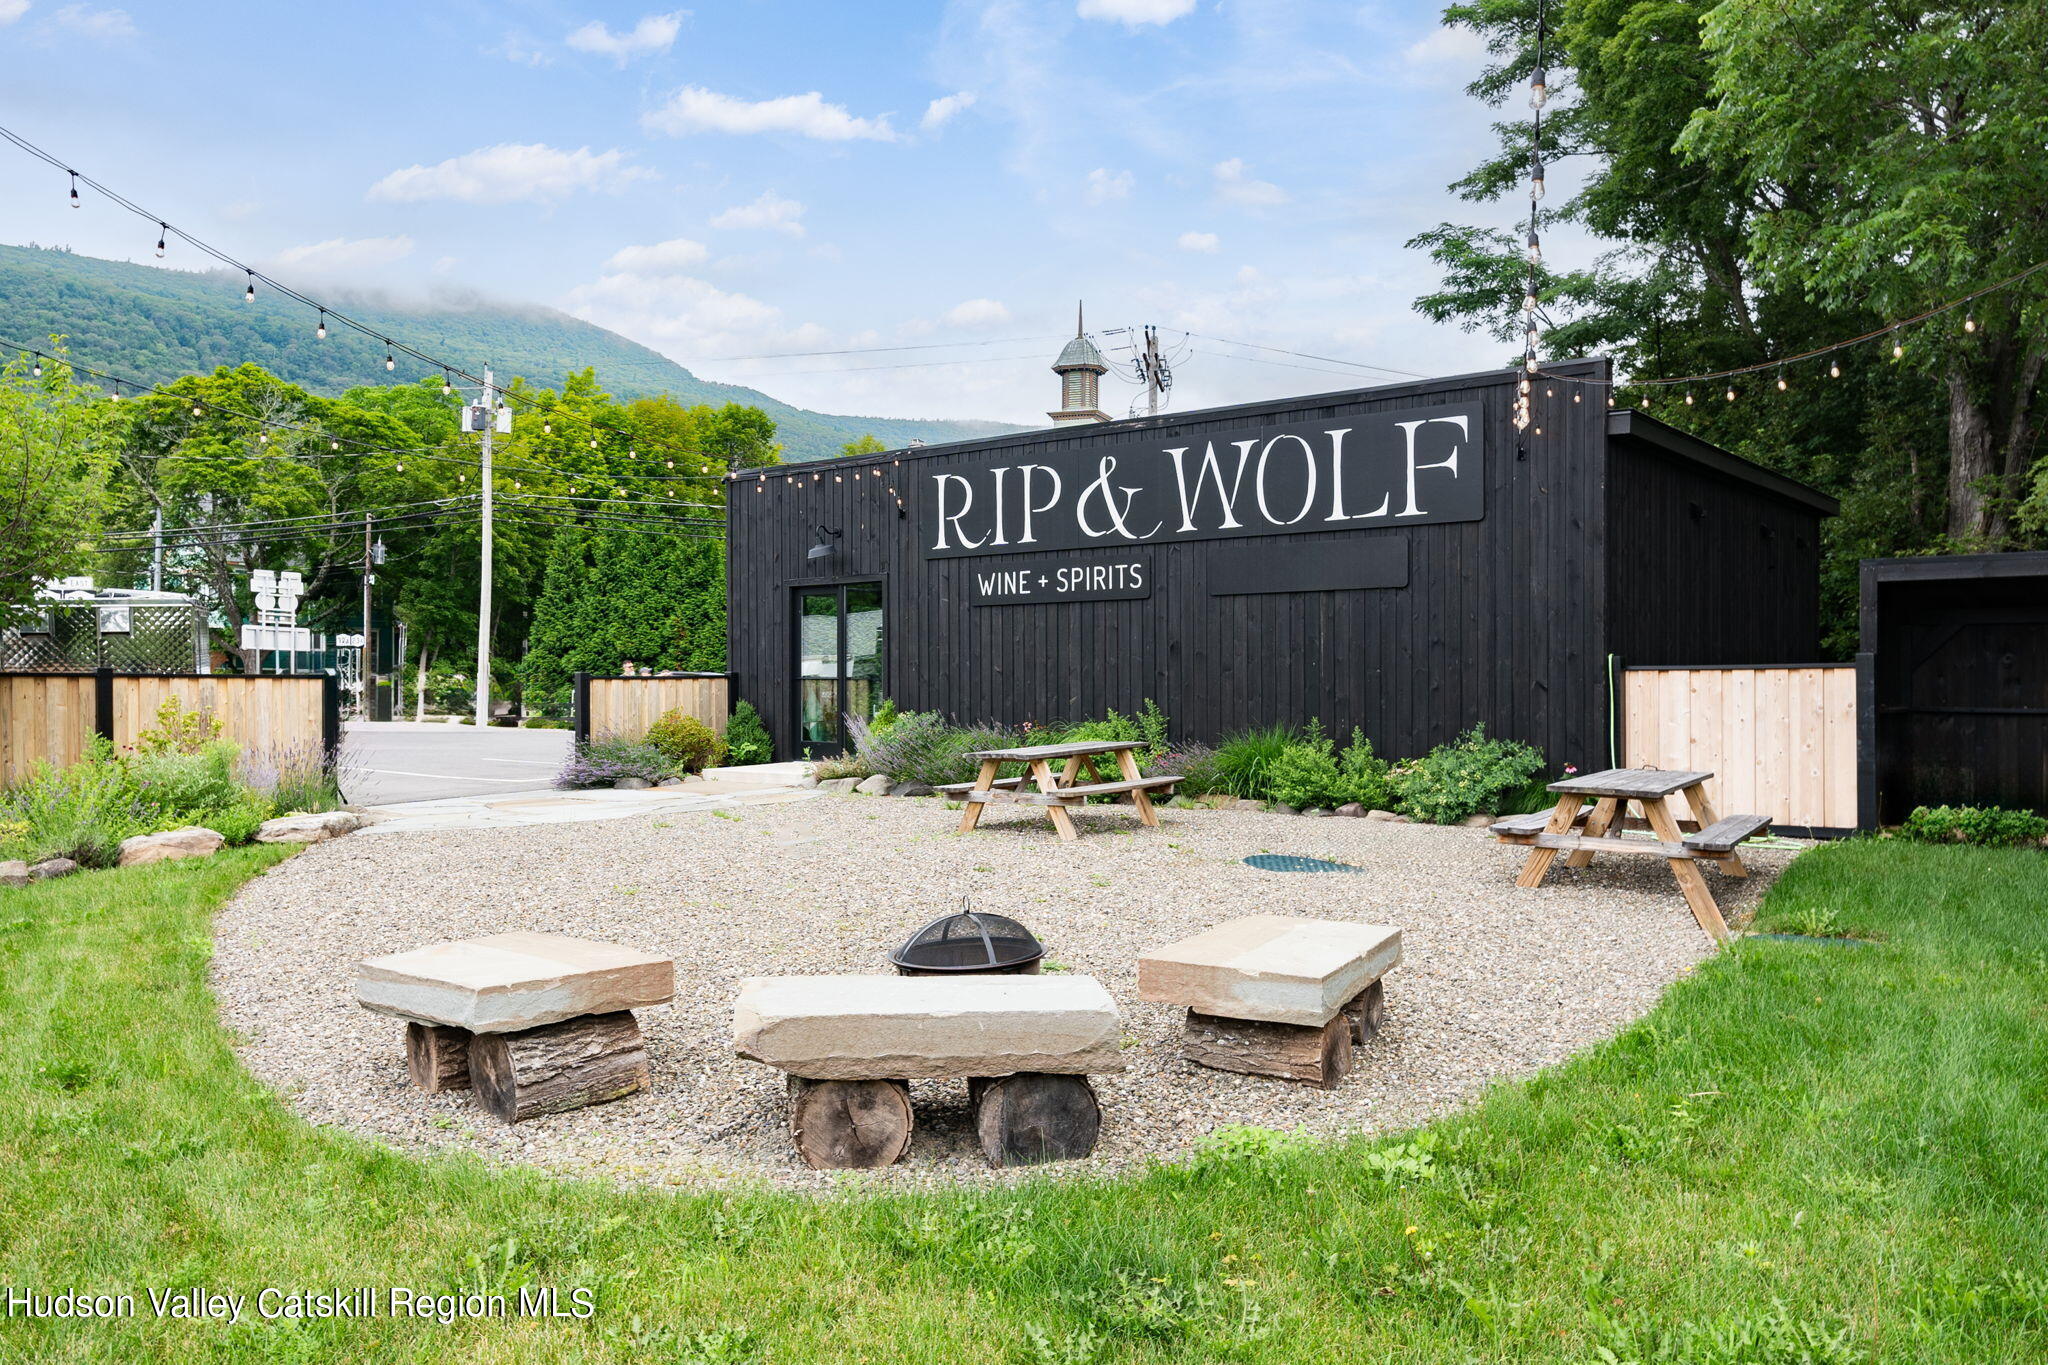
(1148, 727)
(688, 743)
(236, 823)
(1244, 760)
(178, 731)
(1305, 772)
(1193, 764)
(82, 812)
(841, 765)
(922, 747)
(746, 735)
(1992, 826)
(181, 782)
(1468, 775)
(608, 758)
(884, 719)
(1363, 776)
(298, 779)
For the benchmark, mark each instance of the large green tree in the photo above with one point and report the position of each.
(55, 452)
(1765, 181)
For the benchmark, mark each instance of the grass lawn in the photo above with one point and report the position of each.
(1807, 1153)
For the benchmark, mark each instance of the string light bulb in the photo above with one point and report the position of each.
(1969, 323)
(74, 187)
(36, 370)
(1782, 385)
(1536, 177)
(1898, 350)
(195, 409)
(447, 383)
(1539, 88)
(249, 294)
(1688, 397)
(1834, 369)
(670, 463)
(263, 438)
(1529, 302)
(547, 428)
(320, 331)
(161, 230)
(390, 360)
(1731, 393)
(117, 390)
(333, 444)
(1534, 250)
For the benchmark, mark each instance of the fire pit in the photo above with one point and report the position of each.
(969, 941)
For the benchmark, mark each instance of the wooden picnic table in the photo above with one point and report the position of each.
(1059, 792)
(1557, 831)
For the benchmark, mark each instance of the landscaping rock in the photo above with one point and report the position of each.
(1315, 810)
(670, 782)
(839, 784)
(631, 784)
(1381, 815)
(14, 872)
(1351, 808)
(878, 785)
(193, 841)
(309, 829)
(1242, 803)
(829, 1028)
(1476, 821)
(507, 983)
(1184, 803)
(1282, 808)
(52, 867)
(807, 783)
(911, 789)
(1217, 800)
(1280, 969)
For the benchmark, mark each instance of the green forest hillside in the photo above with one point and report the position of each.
(158, 324)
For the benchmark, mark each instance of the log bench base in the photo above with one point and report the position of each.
(587, 1060)
(1020, 1120)
(437, 1056)
(1318, 1055)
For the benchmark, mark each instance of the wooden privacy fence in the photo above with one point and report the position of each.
(627, 706)
(52, 716)
(1780, 741)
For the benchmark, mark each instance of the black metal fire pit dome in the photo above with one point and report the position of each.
(969, 941)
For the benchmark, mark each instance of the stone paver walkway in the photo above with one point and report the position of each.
(717, 788)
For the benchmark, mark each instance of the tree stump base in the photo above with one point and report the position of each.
(557, 1067)
(849, 1125)
(437, 1057)
(1319, 1056)
(1366, 1011)
(1033, 1117)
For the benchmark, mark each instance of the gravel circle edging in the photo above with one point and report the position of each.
(1495, 982)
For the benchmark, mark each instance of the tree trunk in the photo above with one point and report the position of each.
(419, 691)
(849, 1125)
(582, 1061)
(1030, 1118)
(1972, 462)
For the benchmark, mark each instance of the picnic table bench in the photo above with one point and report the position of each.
(1573, 829)
(1059, 792)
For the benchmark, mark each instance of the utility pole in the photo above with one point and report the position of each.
(156, 553)
(363, 667)
(483, 604)
(1153, 369)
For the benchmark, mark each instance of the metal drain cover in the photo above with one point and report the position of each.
(1295, 862)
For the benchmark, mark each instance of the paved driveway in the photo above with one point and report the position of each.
(402, 760)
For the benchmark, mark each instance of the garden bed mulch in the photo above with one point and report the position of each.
(1496, 982)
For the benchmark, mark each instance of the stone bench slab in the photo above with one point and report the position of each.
(1279, 969)
(834, 1028)
(507, 983)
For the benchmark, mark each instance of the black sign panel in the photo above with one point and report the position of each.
(1060, 578)
(1402, 468)
(1322, 566)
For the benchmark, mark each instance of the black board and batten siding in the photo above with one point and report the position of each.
(1504, 619)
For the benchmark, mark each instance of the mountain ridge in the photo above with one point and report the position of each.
(155, 324)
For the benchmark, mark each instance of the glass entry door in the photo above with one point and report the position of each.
(839, 644)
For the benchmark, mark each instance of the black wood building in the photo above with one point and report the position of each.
(1398, 558)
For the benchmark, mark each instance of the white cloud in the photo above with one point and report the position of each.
(654, 33)
(1199, 241)
(10, 10)
(977, 313)
(694, 109)
(1453, 46)
(510, 172)
(1234, 185)
(686, 317)
(662, 258)
(941, 110)
(342, 255)
(1133, 13)
(770, 213)
(1103, 186)
(520, 50)
(106, 24)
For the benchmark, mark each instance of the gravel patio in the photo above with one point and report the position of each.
(1495, 983)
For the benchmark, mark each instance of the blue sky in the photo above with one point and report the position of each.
(737, 179)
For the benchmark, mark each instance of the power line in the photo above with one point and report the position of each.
(869, 350)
